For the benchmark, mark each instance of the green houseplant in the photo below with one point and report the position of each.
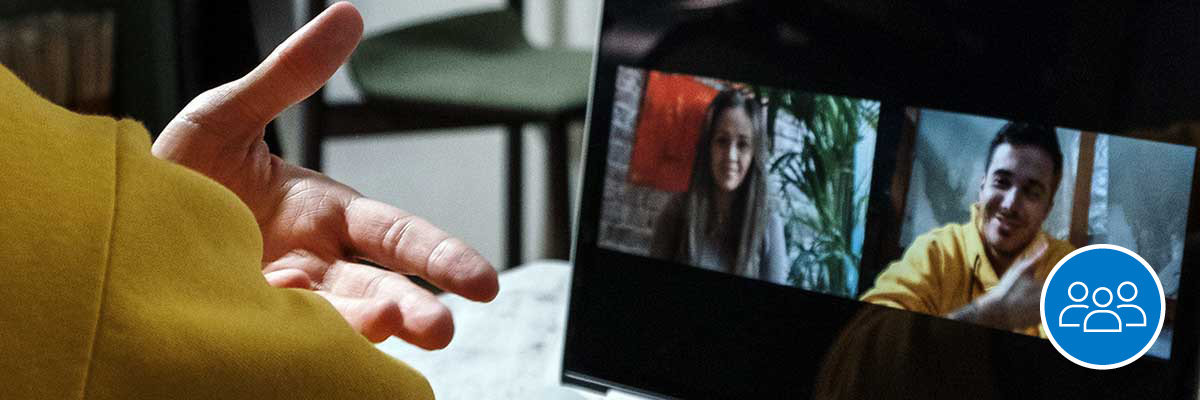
(824, 201)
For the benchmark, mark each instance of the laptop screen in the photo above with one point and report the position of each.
(776, 204)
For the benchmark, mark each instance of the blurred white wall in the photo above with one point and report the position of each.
(455, 179)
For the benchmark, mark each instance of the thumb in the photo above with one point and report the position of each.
(302, 64)
(295, 70)
(1033, 254)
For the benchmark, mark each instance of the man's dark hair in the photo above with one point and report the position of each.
(1036, 135)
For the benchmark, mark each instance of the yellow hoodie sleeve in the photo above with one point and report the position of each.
(910, 282)
(131, 277)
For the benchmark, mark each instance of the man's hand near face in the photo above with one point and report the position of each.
(316, 230)
(1014, 302)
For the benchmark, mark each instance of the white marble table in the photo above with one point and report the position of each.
(510, 348)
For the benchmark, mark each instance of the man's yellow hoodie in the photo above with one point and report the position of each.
(947, 268)
(125, 276)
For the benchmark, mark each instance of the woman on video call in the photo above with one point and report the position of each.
(722, 222)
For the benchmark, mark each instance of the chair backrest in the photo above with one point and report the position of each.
(316, 6)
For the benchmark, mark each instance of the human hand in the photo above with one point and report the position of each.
(314, 229)
(1014, 302)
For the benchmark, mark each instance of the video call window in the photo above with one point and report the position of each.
(1137, 196)
(756, 181)
(773, 184)
(1111, 190)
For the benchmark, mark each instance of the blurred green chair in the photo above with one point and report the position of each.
(466, 70)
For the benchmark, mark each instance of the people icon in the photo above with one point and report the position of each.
(1089, 326)
(1100, 319)
(1140, 311)
(1106, 320)
(1070, 289)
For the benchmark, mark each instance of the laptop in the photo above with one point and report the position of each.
(770, 185)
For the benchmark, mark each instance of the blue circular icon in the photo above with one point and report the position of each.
(1102, 306)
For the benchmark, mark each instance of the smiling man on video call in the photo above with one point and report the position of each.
(989, 270)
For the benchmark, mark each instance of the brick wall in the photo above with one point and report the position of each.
(629, 211)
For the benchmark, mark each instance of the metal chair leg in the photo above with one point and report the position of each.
(314, 129)
(515, 203)
(558, 196)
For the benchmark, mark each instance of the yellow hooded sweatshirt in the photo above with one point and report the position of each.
(947, 268)
(125, 276)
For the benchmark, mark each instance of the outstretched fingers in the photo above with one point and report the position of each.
(418, 317)
(361, 293)
(289, 278)
(375, 319)
(411, 245)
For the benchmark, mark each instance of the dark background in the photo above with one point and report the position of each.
(167, 52)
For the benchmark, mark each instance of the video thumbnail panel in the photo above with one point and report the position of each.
(760, 182)
(985, 194)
